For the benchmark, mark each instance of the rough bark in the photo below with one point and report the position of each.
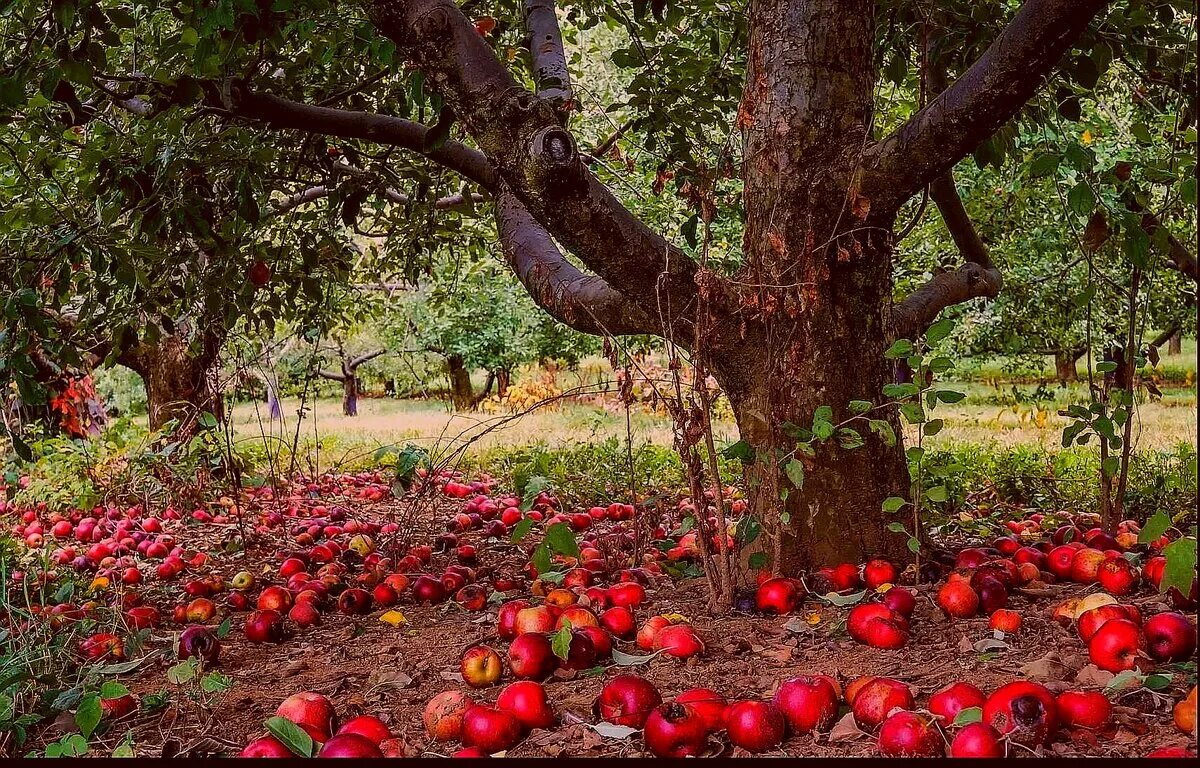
(179, 377)
(462, 394)
(818, 263)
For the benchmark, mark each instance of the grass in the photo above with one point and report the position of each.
(1176, 369)
(997, 416)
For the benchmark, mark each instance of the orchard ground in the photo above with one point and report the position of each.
(391, 664)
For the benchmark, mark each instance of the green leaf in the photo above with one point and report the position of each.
(208, 421)
(1081, 199)
(968, 715)
(183, 672)
(292, 736)
(932, 427)
(885, 431)
(860, 406)
(533, 488)
(541, 558)
(937, 493)
(521, 529)
(741, 450)
(900, 348)
(1157, 682)
(950, 396)
(1180, 570)
(914, 545)
(1156, 526)
(849, 438)
(111, 689)
(938, 331)
(897, 527)
(900, 391)
(562, 540)
(87, 716)
(756, 561)
(224, 628)
(795, 473)
(560, 641)
(893, 504)
(1106, 367)
(914, 413)
(215, 681)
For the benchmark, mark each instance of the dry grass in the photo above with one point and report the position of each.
(382, 422)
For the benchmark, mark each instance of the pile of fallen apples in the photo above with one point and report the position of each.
(332, 559)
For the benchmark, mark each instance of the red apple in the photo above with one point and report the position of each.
(1081, 709)
(877, 698)
(1025, 712)
(350, 745)
(443, 716)
(755, 726)
(1170, 636)
(480, 666)
(1116, 645)
(490, 729)
(977, 740)
(908, 734)
(528, 702)
(675, 730)
(954, 698)
(958, 600)
(808, 703)
(311, 711)
(627, 700)
(531, 657)
(709, 705)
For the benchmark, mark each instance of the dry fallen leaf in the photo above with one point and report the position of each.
(846, 729)
(1092, 675)
(1048, 667)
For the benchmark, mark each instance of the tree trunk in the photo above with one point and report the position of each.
(1064, 365)
(349, 393)
(816, 307)
(179, 382)
(462, 395)
(1175, 344)
(503, 379)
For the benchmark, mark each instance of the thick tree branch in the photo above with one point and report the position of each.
(331, 375)
(549, 59)
(242, 102)
(984, 98)
(583, 302)
(977, 277)
(366, 358)
(540, 161)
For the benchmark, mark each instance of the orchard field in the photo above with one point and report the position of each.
(657, 379)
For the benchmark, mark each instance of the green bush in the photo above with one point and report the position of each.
(1068, 479)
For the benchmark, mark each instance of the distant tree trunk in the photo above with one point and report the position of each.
(349, 378)
(462, 395)
(1175, 344)
(1064, 365)
(179, 380)
(503, 379)
(274, 409)
(349, 394)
